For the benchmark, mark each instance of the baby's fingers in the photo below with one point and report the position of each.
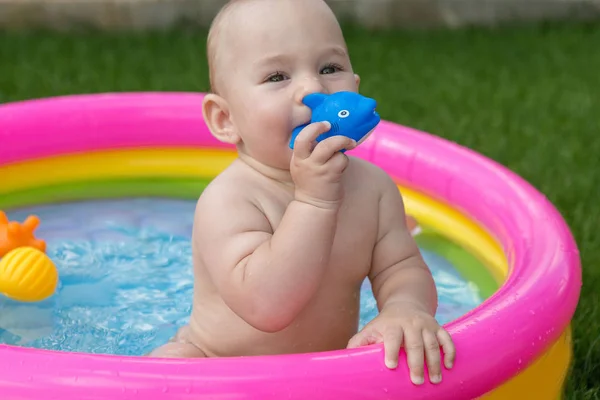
(303, 146)
(331, 146)
(432, 355)
(363, 338)
(392, 341)
(413, 344)
(448, 347)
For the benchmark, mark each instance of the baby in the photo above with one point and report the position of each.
(284, 238)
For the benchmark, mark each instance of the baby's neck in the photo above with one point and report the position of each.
(281, 176)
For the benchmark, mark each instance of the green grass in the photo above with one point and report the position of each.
(528, 98)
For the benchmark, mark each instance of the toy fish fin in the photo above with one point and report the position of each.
(313, 100)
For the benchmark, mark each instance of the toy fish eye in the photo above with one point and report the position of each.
(344, 114)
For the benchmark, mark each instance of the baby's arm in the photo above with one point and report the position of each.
(406, 295)
(268, 277)
(264, 277)
(398, 271)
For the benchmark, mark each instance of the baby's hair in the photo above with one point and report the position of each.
(213, 33)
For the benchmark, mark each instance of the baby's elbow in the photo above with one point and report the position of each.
(269, 326)
(269, 319)
(262, 315)
(260, 312)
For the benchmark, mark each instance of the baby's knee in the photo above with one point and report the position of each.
(177, 350)
(180, 346)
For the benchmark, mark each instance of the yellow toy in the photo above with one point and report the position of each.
(14, 234)
(27, 274)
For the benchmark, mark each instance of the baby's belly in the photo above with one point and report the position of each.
(325, 324)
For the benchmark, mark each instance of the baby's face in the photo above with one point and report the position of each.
(271, 54)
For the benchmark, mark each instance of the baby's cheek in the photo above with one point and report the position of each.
(343, 82)
(276, 120)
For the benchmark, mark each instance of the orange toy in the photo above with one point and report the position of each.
(14, 234)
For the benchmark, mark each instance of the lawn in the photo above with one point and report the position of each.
(528, 98)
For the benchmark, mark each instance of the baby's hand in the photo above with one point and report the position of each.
(317, 169)
(422, 337)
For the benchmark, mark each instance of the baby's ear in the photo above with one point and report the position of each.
(357, 80)
(215, 111)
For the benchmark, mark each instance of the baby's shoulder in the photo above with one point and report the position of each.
(230, 188)
(228, 206)
(364, 172)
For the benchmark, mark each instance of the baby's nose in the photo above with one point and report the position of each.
(306, 87)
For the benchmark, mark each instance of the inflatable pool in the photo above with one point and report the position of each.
(516, 344)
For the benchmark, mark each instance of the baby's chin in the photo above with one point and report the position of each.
(278, 159)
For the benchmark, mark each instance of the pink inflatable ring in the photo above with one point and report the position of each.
(513, 345)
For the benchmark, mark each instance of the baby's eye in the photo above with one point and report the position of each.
(276, 77)
(331, 69)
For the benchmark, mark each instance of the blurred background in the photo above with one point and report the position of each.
(517, 80)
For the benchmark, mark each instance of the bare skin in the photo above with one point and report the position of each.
(283, 239)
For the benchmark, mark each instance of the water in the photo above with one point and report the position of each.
(126, 279)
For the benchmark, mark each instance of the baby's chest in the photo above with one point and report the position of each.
(356, 225)
(355, 238)
(356, 230)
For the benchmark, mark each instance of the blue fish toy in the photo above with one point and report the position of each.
(350, 114)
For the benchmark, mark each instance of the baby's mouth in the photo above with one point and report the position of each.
(302, 123)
